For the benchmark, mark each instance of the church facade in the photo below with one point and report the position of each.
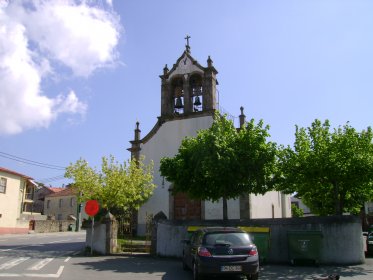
(188, 103)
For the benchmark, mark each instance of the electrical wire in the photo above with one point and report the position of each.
(51, 179)
(31, 162)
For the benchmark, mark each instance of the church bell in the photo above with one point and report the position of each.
(179, 103)
(197, 102)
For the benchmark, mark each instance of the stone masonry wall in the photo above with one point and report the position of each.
(53, 226)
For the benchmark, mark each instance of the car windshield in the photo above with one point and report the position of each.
(227, 238)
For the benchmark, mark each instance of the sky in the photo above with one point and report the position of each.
(76, 76)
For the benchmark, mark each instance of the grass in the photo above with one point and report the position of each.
(132, 240)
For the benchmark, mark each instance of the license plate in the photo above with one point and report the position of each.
(231, 268)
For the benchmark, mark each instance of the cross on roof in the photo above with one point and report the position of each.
(187, 45)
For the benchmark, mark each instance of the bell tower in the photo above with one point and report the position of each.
(188, 88)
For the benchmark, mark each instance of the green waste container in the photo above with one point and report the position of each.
(260, 236)
(304, 246)
(71, 227)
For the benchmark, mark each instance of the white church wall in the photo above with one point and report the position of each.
(214, 210)
(165, 143)
(270, 205)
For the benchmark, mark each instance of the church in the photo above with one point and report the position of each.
(188, 103)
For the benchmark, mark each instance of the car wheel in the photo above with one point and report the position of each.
(196, 275)
(254, 276)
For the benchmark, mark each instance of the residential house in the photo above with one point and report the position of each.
(16, 201)
(63, 205)
(40, 195)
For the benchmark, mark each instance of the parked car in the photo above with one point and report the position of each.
(370, 244)
(221, 251)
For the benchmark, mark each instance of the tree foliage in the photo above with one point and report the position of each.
(123, 186)
(332, 171)
(296, 211)
(223, 162)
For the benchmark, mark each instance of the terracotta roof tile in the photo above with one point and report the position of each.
(2, 169)
(63, 192)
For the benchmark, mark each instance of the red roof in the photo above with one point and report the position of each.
(2, 169)
(55, 190)
(63, 192)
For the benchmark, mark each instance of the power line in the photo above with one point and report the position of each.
(51, 179)
(31, 162)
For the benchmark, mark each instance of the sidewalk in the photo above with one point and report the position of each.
(356, 272)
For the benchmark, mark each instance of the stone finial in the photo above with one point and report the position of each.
(242, 118)
(165, 70)
(209, 62)
(137, 132)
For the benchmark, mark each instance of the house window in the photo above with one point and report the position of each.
(71, 202)
(60, 203)
(48, 203)
(2, 185)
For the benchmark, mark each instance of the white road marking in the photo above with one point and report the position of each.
(50, 275)
(9, 275)
(3, 239)
(39, 265)
(11, 263)
(67, 259)
(56, 275)
(5, 250)
(58, 241)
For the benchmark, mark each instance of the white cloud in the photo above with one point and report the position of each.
(36, 38)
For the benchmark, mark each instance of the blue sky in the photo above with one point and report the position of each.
(75, 76)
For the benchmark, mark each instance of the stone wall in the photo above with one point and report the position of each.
(53, 225)
(341, 241)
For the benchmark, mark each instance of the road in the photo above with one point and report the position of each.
(38, 255)
(59, 256)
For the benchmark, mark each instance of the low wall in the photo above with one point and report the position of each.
(104, 237)
(98, 243)
(341, 242)
(52, 225)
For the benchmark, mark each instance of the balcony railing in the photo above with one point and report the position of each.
(29, 196)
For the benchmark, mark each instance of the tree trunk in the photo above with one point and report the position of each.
(225, 209)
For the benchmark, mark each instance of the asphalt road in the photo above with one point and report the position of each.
(59, 256)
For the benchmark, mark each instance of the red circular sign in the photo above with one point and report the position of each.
(91, 207)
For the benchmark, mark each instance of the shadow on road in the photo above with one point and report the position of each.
(171, 269)
(164, 268)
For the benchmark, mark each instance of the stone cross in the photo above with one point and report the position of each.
(187, 45)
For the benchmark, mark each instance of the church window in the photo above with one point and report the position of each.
(178, 96)
(197, 92)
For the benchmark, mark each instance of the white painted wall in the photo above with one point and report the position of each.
(10, 202)
(261, 205)
(165, 143)
(214, 210)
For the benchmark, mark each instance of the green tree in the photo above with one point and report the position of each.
(223, 162)
(296, 211)
(332, 171)
(123, 186)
